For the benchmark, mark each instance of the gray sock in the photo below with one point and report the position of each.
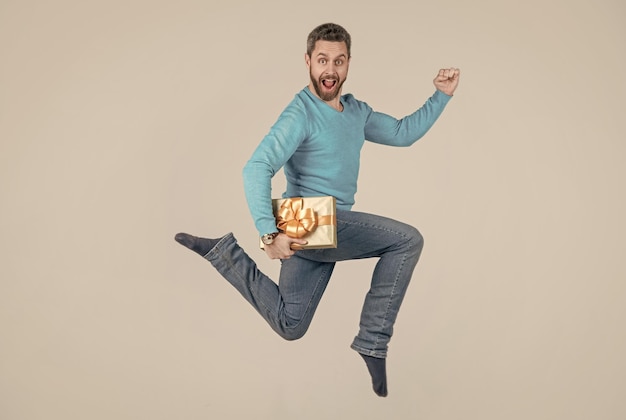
(201, 246)
(378, 371)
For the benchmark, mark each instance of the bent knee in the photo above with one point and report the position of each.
(415, 238)
(292, 334)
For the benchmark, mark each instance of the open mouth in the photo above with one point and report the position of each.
(329, 83)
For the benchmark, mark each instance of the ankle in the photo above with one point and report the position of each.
(201, 246)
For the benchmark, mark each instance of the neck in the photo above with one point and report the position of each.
(334, 103)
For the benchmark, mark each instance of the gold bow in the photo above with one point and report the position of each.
(295, 220)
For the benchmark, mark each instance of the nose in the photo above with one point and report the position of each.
(330, 71)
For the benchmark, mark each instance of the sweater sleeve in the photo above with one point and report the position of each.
(269, 157)
(384, 129)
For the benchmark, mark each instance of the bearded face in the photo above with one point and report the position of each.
(328, 68)
(328, 86)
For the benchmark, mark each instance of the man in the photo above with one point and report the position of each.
(318, 139)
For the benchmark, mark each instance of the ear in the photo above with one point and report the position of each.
(307, 60)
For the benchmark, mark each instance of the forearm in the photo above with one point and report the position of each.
(257, 183)
(270, 155)
(384, 129)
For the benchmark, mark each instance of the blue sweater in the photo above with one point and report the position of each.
(320, 147)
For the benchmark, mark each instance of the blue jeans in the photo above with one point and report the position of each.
(289, 306)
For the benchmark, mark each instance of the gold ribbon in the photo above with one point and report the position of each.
(296, 220)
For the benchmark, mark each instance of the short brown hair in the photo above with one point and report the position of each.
(327, 32)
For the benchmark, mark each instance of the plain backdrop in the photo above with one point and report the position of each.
(125, 122)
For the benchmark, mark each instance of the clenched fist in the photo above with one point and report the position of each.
(447, 80)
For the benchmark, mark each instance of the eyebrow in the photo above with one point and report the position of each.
(321, 54)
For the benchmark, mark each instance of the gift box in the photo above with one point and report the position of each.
(313, 219)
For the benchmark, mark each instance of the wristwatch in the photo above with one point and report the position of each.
(268, 238)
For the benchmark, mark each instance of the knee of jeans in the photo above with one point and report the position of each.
(416, 240)
(292, 334)
(292, 327)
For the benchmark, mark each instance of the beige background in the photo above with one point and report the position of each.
(124, 122)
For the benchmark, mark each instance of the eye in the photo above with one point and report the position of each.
(338, 62)
(322, 61)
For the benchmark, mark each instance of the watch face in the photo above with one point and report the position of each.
(268, 238)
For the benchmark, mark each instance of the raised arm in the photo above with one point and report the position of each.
(384, 129)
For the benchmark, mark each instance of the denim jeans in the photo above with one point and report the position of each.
(289, 306)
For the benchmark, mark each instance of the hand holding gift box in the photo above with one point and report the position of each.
(310, 218)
